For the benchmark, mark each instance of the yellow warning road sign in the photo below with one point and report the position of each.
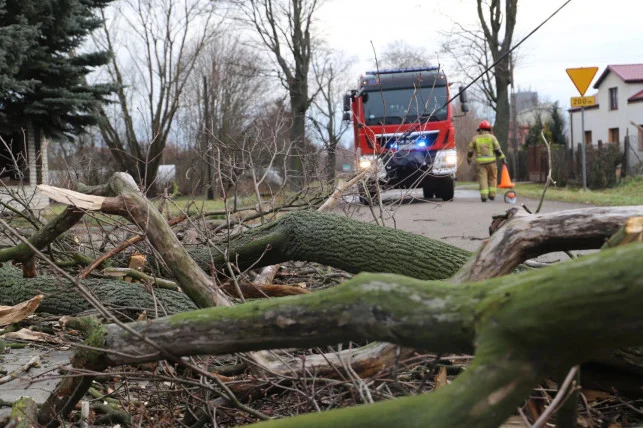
(582, 77)
(582, 102)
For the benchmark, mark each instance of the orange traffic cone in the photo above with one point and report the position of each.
(505, 180)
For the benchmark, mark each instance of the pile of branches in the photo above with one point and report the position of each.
(408, 315)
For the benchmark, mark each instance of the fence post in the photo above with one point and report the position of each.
(626, 159)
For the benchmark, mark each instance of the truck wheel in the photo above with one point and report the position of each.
(368, 193)
(447, 190)
(428, 192)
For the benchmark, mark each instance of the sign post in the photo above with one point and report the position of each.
(582, 77)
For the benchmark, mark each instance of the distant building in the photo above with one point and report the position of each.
(619, 102)
(524, 100)
(23, 165)
(525, 111)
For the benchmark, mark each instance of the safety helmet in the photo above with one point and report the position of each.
(484, 125)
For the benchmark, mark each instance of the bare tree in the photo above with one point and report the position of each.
(285, 29)
(492, 20)
(476, 50)
(156, 46)
(400, 54)
(222, 98)
(330, 69)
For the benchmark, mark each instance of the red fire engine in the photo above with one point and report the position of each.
(403, 129)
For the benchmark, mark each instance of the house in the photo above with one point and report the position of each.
(619, 102)
(23, 165)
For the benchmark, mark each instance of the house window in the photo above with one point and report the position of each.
(613, 135)
(613, 98)
(588, 138)
(641, 137)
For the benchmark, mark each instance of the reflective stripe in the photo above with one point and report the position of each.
(484, 191)
(486, 159)
(492, 190)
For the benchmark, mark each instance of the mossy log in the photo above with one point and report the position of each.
(522, 327)
(62, 298)
(343, 243)
(23, 413)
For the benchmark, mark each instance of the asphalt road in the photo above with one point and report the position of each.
(463, 222)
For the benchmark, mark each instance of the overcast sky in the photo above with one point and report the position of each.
(585, 33)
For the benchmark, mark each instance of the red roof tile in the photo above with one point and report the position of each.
(636, 97)
(630, 73)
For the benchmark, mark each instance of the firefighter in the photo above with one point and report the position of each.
(487, 150)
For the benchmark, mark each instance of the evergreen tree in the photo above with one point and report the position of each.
(534, 136)
(556, 126)
(43, 76)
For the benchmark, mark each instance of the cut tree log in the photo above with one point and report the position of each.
(61, 298)
(331, 240)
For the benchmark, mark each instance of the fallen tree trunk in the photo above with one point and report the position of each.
(523, 326)
(331, 240)
(62, 298)
(260, 244)
(525, 237)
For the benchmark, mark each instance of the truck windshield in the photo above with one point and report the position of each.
(395, 106)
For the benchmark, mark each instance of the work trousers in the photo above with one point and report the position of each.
(488, 179)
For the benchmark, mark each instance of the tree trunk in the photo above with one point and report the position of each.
(351, 245)
(61, 297)
(298, 108)
(501, 125)
(331, 161)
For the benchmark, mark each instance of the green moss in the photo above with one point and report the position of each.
(95, 333)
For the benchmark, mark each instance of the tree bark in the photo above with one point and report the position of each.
(61, 298)
(501, 124)
(336, 241)
(525, 237)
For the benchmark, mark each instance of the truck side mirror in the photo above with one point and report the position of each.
(346, 117)
(365, 97)
(347, 103)
(464, 102)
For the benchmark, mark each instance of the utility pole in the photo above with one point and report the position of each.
(582, 146)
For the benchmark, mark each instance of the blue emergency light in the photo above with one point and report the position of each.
(402, 70)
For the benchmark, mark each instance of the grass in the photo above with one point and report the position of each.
(629, 192)
(466, 184)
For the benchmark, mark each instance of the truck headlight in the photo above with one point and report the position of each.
(446, 159)
(364, 163)
(450, 159)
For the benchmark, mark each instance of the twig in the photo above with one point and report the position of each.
(136, 274)
(340, 190)
(549, 179)
(33, 362)
(131, 241)
(560, 398)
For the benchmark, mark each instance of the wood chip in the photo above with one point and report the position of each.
(441, 378)
(32, 336)
(13, 314)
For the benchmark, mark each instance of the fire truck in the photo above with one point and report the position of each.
(403, 130)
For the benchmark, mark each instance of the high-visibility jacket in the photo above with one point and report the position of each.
(486, 148)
